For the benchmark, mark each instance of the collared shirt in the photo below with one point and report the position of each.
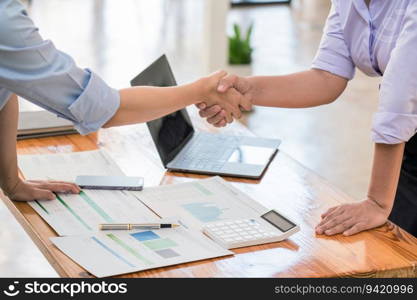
(380, 41)
(33, 68)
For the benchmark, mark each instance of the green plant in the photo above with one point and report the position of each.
(240, 50)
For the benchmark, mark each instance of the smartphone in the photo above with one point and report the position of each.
(110, 183)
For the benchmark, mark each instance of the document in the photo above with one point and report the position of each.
(73, 214)
(108, 254)
(67, 166)
(199, 202)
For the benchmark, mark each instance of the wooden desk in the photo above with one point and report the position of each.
(287, 186)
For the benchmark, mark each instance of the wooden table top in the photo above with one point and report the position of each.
(287, 186)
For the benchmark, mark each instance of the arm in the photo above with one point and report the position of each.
(142, 104)
(34, 69)
(10, 183)
(394, 123)
(299, 90)
(352, 218)
(305, 89)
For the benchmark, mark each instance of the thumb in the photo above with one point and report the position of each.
(226, 83)
(39, 194)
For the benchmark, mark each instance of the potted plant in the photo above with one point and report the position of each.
(240, 51)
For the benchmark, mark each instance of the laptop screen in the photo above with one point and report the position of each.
(169, 133)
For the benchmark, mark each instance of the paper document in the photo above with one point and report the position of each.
(73, 214)
(67, 166)
(108, 254)
(199, 202)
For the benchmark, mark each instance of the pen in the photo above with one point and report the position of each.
(116, 226)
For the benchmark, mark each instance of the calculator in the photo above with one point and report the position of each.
(269, 227)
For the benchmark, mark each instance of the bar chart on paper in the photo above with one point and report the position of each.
(79, 214)
(107, 254)
(198, 202)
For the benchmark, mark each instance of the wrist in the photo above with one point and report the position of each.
(381, 206)
(200, 90)
(10, 188)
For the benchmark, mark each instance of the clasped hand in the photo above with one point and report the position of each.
(229, 95)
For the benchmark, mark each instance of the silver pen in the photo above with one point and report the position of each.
(115, 226)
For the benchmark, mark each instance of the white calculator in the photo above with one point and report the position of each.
(268, 228)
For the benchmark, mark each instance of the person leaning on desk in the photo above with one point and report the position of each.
(379, 38)
(34, 69)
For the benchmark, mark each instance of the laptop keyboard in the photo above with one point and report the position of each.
(207, 152)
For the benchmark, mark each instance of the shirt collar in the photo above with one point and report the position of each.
(362, 9)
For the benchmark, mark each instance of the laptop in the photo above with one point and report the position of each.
(183, 149)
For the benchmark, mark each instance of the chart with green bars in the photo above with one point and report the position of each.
(164, 247)
(199, 202)
(113, 253)
(78, 214)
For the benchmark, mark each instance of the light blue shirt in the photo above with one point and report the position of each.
(380, 41)
(33, 68)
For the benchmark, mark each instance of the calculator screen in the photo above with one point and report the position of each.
(278, 221)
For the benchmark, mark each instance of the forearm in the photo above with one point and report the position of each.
(385, 174)
(8, 157)
(305, 89)
(143, 104)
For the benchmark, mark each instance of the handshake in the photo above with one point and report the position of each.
(224, 98)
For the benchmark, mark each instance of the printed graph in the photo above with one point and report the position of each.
(204, 211)
(161, 246)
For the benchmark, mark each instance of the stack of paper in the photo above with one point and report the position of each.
(76, 217)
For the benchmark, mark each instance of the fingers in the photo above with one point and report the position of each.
(333, 219)
(222, 123)
(330, 210)
(40, 194)
(57, 186)
(246, 103)
(233, 103)
(226, 83)
(201, 105)
(218, 75)
(339, 227)
(217, 118)
(358, 227)
(229, 117)
(210, 112)
(332, 215)
(333, 223)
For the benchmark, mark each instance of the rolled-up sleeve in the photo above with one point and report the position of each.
(396, 118)
(35, 70)
(333, 54)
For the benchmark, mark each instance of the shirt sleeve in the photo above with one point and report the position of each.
(396, 118)
(333, 54)
(35, 70)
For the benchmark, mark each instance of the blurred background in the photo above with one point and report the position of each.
(117, 39)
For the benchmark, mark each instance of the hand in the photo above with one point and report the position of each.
(215, 114)
(223, 103)
(41, 190)
(352, 218)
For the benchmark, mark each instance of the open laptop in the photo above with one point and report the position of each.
(183, 149)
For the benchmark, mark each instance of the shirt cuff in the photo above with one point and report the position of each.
(393, 128)
(95, 106)
(334, 65)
